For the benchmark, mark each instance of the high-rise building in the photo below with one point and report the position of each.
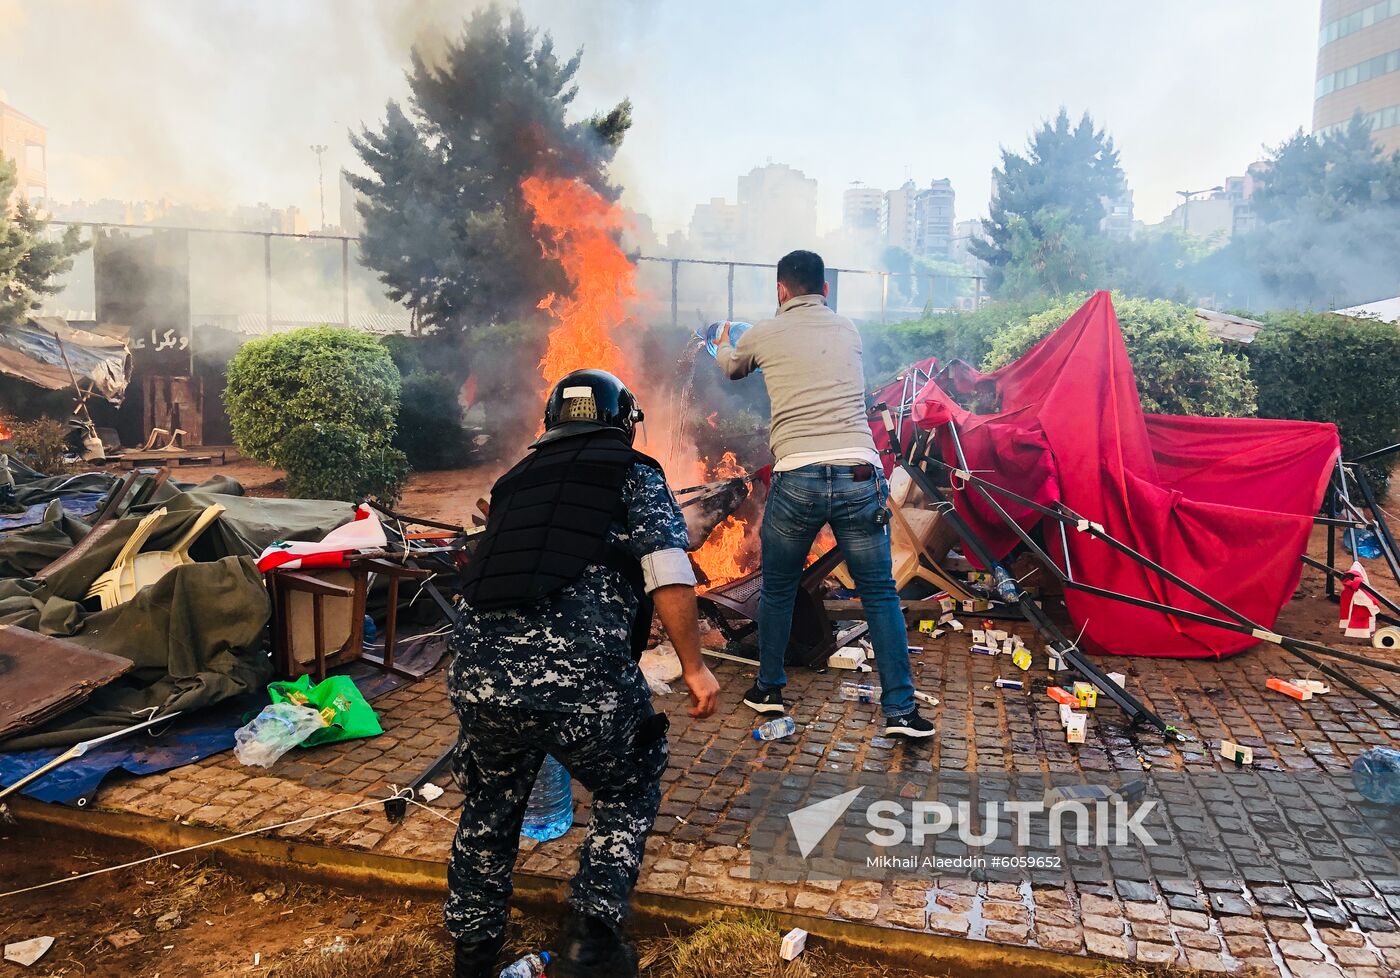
(860, 210)
(350, 221)
(1358, 67)
(933, 220)
(1117, 220)
(779, 211)
(897, 217)
(964, 233)
(25, 142)
(715, 228)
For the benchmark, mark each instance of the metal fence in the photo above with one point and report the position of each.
(254, 282)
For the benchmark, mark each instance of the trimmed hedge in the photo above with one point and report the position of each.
(1318, 366)
(322, 404)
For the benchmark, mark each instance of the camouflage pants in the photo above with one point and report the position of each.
(500, 752)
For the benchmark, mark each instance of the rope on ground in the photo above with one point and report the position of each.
(204, 845)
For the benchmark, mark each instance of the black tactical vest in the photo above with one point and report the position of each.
(549, 521)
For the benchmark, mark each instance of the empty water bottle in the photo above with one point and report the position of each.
(273, 732)
(712, 332)
(860, 692)
(550, 812)
(1006, 584)
(530, 966)
(776, 729)
(1376, 774)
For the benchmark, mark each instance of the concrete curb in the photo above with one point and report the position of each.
(361, 870)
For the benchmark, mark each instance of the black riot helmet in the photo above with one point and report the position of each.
(589, 400)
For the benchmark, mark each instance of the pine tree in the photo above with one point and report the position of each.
(29, 261)
(1051, 197)
(444, 221)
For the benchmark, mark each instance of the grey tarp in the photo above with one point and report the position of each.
(195, 636)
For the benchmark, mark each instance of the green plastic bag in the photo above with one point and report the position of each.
(346, 712)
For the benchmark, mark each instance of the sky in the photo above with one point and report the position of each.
(217, 102)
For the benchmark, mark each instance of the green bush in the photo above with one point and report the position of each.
(952, 336)
(1318, 366)
(329, 460)
(1180, 367)
(322, 404)
(41, 444)
(430, 423)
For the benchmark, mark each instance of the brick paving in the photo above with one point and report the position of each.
(1241, 917)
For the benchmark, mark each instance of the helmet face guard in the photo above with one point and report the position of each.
(589, 400)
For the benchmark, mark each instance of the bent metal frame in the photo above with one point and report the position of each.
(1064, 519)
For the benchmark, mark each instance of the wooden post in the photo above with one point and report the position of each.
(345, 281)
(675, 281)
(267, 281)
(730, 314)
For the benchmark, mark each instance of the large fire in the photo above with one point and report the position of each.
(578, 228)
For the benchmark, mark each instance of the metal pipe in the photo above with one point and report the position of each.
(730, 315)
(345, 281)
(1380, 526)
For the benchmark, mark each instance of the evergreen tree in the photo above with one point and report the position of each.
(29, 261)
(444, 221)
(1049, 200)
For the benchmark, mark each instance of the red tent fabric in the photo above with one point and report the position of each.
(1225, 503)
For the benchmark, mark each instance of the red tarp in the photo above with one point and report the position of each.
(1225, 503)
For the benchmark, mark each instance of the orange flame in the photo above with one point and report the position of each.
(577, 227)
(722, 556)
(727, 467)
(5, 433)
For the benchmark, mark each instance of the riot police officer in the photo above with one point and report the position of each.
(584, 541)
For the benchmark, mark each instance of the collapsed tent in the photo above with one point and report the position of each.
(47, 352)
(1225, 503)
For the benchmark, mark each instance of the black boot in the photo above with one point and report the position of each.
(591, 948)
(478, 959)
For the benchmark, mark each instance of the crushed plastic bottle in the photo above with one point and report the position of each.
(776, 729)
(550, 812)
(860, 692)
(337, 946)
(1376, 774)
(530, 966)
(1005, 584)
(273, 732)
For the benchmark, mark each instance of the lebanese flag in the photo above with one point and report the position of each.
(364, 532)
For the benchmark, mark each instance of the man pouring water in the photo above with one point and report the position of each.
(826, 473)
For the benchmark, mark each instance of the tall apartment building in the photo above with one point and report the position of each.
(26, 143)
(933, 220)
(778, 205)
(715, 228)
(1358, 67)
(860, 210)
(897, 217)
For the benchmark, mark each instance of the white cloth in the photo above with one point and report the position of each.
(666, 567)
(855, 455)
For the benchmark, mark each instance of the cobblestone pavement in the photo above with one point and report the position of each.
(1244, 916)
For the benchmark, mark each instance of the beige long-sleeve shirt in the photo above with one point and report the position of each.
(811, 362)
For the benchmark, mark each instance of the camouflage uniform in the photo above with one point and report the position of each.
(558, 678)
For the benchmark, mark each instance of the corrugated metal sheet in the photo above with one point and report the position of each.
(1236, 329)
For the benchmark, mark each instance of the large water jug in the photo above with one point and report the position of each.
(713, 330)
(550, 812)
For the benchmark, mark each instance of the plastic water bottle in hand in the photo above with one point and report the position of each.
(776, 729)
(712, 332)
(273, 732)
(550, 812)
(530, 966)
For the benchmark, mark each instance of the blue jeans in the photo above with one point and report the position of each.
(799, 503)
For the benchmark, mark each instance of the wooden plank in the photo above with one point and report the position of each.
(42, 677)
(851, 608)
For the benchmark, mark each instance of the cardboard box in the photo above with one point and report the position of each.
(1062, 696)
(1008, 683)
(794, 943)
(1075, 728)
(1022, 658)
(1087, 694)
(850, 657)
(1242, 756)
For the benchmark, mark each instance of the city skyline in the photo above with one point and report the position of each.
(200, 141)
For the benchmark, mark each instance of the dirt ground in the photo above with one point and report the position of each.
(189, 918)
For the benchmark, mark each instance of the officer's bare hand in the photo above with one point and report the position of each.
(704, 692)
